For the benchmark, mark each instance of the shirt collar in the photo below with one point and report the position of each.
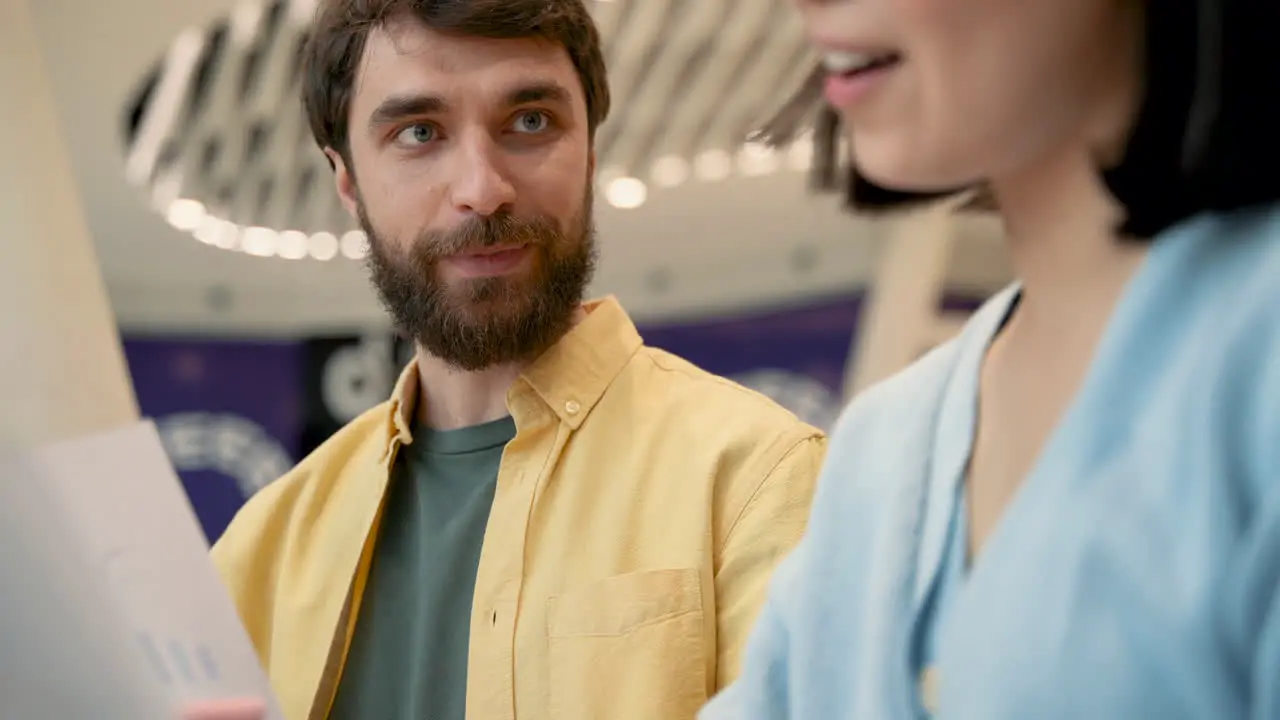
(568, 379)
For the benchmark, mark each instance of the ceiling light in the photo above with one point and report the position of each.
(354, 245)
(669, 171)
(713, 165)
(322, 246)
(259, 241)
(292, 245)
(609, 173)
(185, 215)
(626, 193)
(756, 159)
(219, 233)
(229, 238)
(800, 155)
(208, 231)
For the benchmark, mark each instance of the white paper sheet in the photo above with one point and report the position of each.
(115, 524)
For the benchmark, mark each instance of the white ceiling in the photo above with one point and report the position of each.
(702, 247)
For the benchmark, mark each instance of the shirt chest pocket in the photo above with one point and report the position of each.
(629, 646)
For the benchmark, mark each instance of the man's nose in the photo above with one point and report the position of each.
(481, 186)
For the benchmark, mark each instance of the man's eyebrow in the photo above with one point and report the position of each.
(399, 107)
(544, 91)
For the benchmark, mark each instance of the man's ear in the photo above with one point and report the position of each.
(345, 181)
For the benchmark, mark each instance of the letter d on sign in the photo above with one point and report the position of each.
(357, 377)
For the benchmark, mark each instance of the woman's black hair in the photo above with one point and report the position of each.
(1207, 135)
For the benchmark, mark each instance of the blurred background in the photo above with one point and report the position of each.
(249, 329)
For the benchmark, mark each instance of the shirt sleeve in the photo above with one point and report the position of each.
(769, 527)
(761, 692)
(1257, 611)
(244, 557)
(1253, 599)
(1266, 672)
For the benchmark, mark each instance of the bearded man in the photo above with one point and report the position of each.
(548, 520)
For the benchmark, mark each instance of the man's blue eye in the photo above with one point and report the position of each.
(416, 135)
(532, 122)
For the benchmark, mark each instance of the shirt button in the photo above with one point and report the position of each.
(572, 407)
(929, 690)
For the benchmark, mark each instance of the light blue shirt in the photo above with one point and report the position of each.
(1136, 574)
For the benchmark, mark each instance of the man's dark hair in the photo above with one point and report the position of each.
(333, 52)
(1207, 135)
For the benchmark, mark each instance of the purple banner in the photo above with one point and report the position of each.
(230, 415)
(795, 356)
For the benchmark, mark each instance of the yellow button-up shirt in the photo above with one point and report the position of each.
(639, 511)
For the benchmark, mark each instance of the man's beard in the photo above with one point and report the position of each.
(477, 323)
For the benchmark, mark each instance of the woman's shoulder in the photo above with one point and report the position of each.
(873, 481)
(1190, 355)
(897, 416)
(1207, 303)
(1217, 258)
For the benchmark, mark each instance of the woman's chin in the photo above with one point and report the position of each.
(903, 166)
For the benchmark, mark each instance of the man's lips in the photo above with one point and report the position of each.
(489, 262)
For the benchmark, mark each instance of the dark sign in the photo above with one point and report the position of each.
(228, 413)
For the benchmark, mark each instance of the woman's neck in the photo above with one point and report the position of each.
(1060, 226)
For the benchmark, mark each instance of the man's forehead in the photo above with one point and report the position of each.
(406, 56)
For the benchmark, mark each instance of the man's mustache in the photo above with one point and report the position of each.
(481, 232)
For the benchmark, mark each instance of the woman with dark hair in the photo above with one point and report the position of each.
(1072, 510)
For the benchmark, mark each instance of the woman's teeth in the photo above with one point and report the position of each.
(843, 63)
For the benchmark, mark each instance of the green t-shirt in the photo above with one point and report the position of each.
(408, 658)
